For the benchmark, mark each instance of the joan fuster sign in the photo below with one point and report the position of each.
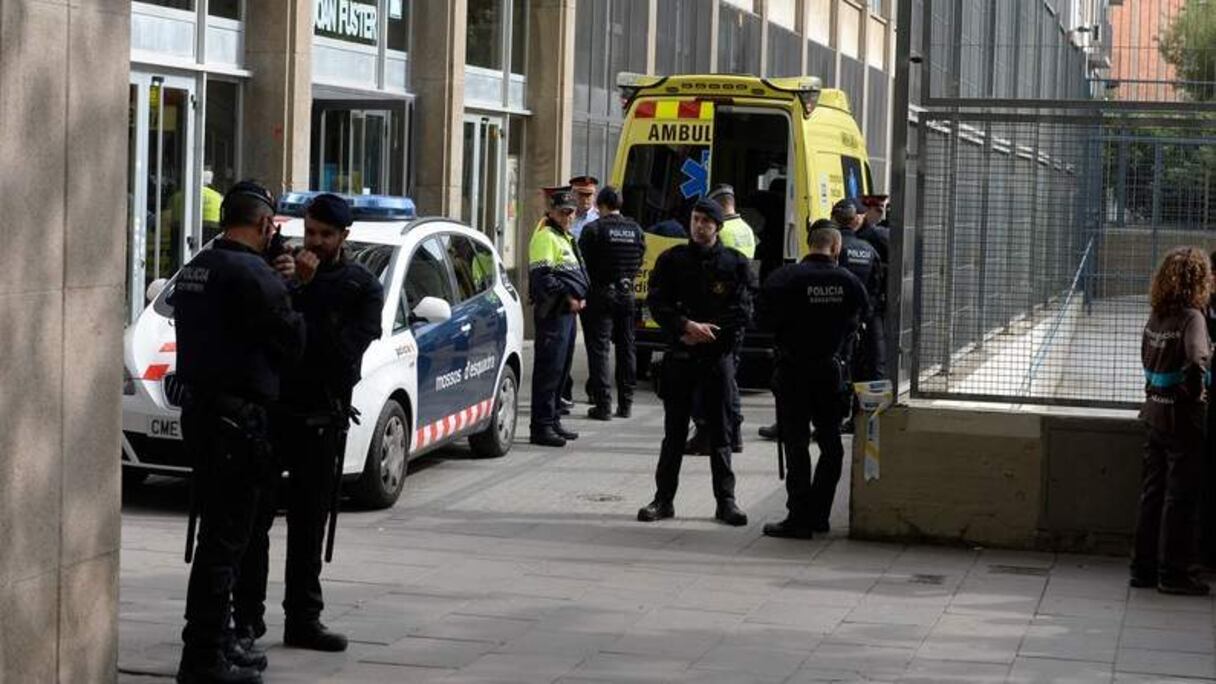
(355, 21)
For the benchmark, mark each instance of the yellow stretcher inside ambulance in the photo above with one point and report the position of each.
(789, 148)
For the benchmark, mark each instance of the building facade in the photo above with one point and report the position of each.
(468, 106)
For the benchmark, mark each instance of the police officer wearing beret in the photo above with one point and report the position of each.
(236, 333)
(557, 283)
(613, 247)
(813, 309)
(700, 295)
(863, 261)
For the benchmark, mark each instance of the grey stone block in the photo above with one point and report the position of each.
(1145, 661)
(88, 620)
(28, 643)
(1186, 641)
(1071, 639)
(1049, 671)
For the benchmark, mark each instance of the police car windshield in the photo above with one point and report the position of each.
(375, 257)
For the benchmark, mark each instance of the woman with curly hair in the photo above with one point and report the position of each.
(1175, 350)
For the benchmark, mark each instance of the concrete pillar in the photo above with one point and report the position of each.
(63, 158)
(438, 70)
(278, 100)
(551, 100)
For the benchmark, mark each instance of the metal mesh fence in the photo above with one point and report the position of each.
(1047, 179)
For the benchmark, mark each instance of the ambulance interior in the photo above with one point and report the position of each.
(751, 152)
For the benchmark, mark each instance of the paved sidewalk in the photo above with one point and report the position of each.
(532, 569)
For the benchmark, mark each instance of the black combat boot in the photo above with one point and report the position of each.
(624, 408)
(599, 413)
(769, 432)
(789, 529)
(547, 437)
(656, 510)
(730, 513)
(313, 636)
(1183, 586)
(209, 666)
(242, 649)
(568, 435)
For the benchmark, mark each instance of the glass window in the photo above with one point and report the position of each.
(519, 36)
(484, 38)
(851, 167)
(399, 25)
(220, 164)
(227, 9)
(428, 275)
(474, 272)
(654, 190)
(783, 13)
(174, 4)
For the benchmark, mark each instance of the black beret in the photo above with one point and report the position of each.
(711, 209)
(330, 209)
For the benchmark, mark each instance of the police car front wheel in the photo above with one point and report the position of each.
(384, 472)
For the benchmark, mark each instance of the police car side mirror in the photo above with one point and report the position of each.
(432, 310)
(155, 288)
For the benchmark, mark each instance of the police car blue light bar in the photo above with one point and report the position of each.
(363, 207)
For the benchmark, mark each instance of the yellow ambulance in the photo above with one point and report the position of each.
(789, 147)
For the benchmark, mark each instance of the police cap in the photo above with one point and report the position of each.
(330, 209)
(711, 209)
(721, 190)
(560, 198)
(584, 185)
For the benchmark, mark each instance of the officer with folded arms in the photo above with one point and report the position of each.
(236, 333)
(341, 302)
(813, 309)
(700, 295)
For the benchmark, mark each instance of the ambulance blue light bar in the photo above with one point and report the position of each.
(362, 207)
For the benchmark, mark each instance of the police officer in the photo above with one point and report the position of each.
(341, 302)
(736, 234)
(236, 331)
(863, 261)
(813, 309)
(585, 189)
(558, 285)
(873, 226)
(700, 295)
(612, 247)
(875, 231)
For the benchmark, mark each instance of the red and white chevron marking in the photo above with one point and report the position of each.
(443, 428)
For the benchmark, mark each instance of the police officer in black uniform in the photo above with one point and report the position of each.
(612, 247)
(813, 309)
(700, 295)
(875, 231)
(236, 331)
(863, 261)
(342, 303)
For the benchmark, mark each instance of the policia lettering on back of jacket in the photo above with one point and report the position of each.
(260, 398)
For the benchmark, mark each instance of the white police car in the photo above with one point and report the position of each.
(446, 367)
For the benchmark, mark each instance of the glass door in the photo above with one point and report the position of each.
(483, 195)
(354, 151)
(162, 231)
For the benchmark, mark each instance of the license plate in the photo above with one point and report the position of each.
(164, 428)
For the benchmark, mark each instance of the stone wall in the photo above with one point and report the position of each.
(63, 156)
(1011, 477)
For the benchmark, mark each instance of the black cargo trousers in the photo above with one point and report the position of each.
(609, 320)
(707, 381)
(811, 394)
(306, 446)
(233, 478)
(1166, 525)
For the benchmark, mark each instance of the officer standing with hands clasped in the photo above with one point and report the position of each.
(613, 247)
(700, 295)
(341, 302)
(236, 331)
(813, 309)
(557, 283)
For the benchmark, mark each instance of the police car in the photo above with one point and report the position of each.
(446, 366)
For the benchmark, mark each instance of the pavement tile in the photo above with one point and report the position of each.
(435, 653)
(1147, 599)
(878, 634)
(1068, 638)
(774, 637)
(376, 673)
(867, 661)
(1167, 619)
(764, 663)
(974, 639)
(1089, 608)
(875, 613)
(928, 671)
(475, 628)
(1185, 641)
(822, 619)
(1049, 671)
(544, 641)
(1174, 663)
(629, 667)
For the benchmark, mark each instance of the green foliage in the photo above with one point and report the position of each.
(1189, 44)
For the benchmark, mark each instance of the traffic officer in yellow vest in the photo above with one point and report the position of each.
(558, 285)
(736, 233)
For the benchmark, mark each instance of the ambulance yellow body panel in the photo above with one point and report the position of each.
(790, 148)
